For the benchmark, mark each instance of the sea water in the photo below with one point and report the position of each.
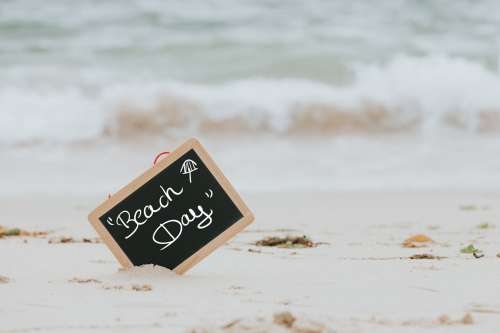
(423, 77)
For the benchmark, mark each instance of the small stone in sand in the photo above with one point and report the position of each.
(469, 207)
(290, 242)
(117, 287)
(470, 249)
(467, 319)
(231, 324)
(446, 320)
(10, 232)
(61, 240)
(4, 279)
(142, 287)
(417, 241)
(284, 319)
(94, 240)
(134, 287)
(425, 256)
(281, 322)
(236, 287)
(67, 239)
(85, 280)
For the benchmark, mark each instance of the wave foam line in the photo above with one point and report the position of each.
(408, 94)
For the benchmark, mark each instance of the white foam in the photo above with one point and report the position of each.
(427, 91)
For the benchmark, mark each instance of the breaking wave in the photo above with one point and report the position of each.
(431, 94)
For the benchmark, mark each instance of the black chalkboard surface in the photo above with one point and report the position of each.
(174, 214)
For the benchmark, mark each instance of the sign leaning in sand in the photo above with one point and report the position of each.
(174, 214)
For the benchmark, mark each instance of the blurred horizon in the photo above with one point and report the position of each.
(391, 95)
(87, 70)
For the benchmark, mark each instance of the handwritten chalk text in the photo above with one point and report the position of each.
(140, 216)
(169, 231)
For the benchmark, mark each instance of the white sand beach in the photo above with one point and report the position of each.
(366, 131)
(358, 279)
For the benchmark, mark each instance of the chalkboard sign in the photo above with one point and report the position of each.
(174, 214)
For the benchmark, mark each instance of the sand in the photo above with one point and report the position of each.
(358, 279)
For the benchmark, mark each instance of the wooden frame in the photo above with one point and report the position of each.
(146, 176)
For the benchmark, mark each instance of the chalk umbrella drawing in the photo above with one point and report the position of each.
(188, 167)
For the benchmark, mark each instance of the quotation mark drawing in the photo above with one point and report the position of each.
(118, 222)
(188, 167)
(209, 194)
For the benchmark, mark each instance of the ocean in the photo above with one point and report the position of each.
(340, 75)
